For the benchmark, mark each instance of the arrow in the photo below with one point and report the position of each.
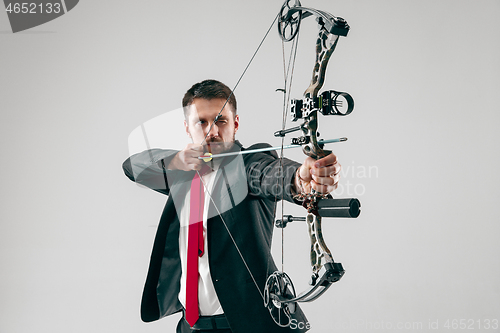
(208, 156)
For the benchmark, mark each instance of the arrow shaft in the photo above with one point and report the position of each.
(251, 151)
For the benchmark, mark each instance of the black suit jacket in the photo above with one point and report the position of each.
(244, 190)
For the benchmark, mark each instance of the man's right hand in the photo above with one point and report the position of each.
(187, 159)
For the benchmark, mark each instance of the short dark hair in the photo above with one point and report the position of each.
(209, 89)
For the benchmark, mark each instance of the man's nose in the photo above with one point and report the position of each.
(213, 130)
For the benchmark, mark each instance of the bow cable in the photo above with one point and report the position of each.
(204, 140)
(287, 73)
(241, 76)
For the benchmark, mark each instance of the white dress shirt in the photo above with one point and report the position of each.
(208, 301)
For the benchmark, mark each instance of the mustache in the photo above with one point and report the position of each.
(214, 140)
(217, 144)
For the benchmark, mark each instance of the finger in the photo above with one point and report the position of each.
(336, 179)
(327, 171)
(197, 149)
(192, 157)
(337, 168)
(325, 184)
(323, 189)
(195, 153)
(305, 172)
(306, 187)
(323, 180)
(323, 168)
(194, 163)
(326, 161)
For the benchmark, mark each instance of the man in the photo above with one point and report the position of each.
(236, 211)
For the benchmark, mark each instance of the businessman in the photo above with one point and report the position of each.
(211, 254)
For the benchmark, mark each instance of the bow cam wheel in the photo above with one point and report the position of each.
(289, 21)
(279, 287)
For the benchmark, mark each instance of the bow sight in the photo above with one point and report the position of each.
(328, 103)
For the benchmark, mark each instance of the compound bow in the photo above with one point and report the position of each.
(279, 293)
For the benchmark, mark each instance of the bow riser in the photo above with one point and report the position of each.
(325, 45)
(310, 129)
(319, 250)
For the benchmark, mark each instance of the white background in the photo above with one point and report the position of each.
(76, 234)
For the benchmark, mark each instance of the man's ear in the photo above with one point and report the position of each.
(236, 123)
(186, 127)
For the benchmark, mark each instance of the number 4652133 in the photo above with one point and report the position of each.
(33, 8)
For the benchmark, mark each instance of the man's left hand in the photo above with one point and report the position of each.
(322, 175)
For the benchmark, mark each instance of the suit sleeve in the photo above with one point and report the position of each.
(265, 178)
(149, 168)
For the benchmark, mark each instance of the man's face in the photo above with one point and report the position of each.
(201, 116)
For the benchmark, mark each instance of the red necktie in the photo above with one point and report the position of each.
(195, 245)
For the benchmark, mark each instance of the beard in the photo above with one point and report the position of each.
(218, 146)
